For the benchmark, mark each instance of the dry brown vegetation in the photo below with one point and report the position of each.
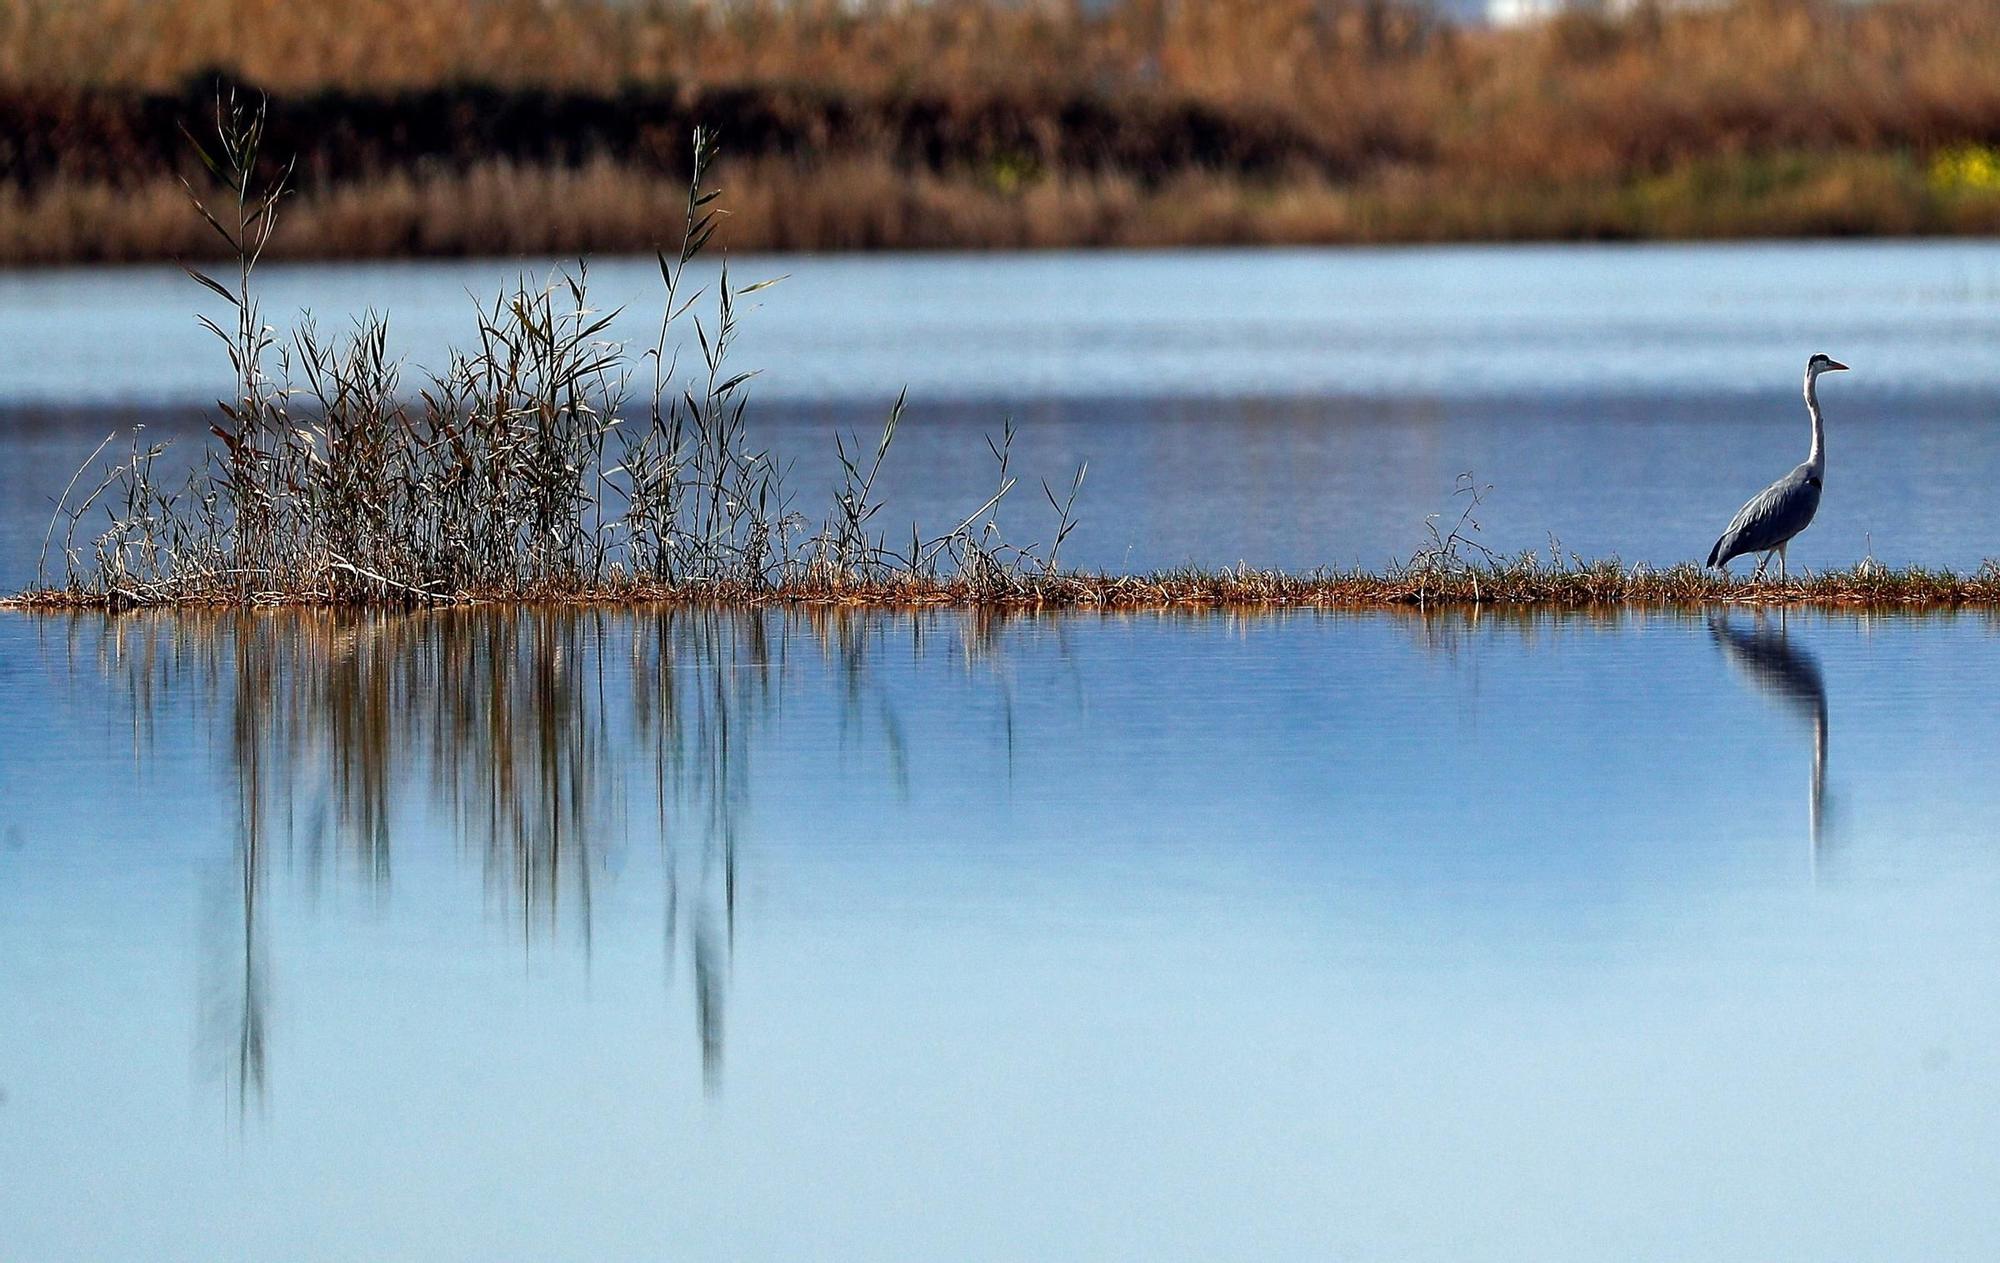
(458, 126)
(1527, 583)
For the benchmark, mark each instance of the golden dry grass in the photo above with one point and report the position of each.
(1521, 584)
(956, 122)
(870, 204)
(1580, 96)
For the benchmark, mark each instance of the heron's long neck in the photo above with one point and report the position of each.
(1818, 458)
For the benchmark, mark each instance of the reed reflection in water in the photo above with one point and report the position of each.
(967, 907)
(548, 743)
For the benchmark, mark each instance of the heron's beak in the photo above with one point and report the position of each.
(1835, 366)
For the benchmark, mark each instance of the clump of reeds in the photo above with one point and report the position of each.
(544, 462)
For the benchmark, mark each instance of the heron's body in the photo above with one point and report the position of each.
(1772, 517)
(1780, 511)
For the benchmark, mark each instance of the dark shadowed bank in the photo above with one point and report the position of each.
(441, 127)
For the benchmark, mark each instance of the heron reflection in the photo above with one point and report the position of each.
(1788, 674)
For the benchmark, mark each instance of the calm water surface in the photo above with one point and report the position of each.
(1289, 408)
(774, 935)
(483, 935)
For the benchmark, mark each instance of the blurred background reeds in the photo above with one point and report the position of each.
(455, 127)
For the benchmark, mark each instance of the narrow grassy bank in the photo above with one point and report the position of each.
(1522, 584)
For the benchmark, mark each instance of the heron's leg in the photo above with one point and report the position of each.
(1781, 558)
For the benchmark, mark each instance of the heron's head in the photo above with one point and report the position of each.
(1823, 364)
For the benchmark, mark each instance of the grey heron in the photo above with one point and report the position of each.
(1786, 507)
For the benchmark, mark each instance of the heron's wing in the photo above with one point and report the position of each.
(1773, 516)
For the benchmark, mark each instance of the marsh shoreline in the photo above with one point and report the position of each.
(1523, 584)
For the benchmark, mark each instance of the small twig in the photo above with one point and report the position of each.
(41, 562)
(340, 563)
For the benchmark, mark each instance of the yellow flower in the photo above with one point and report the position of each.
(1966, 167)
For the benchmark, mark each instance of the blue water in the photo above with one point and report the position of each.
(1274, 408)
(773, 936)
(809, 934)
(1392, 322)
